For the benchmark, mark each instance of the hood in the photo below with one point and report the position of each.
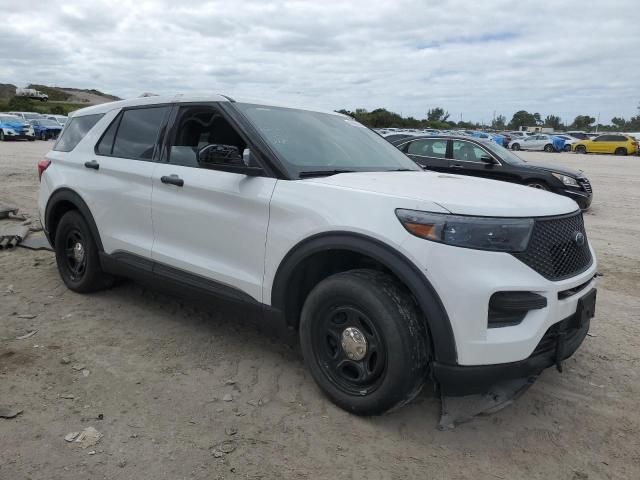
(14, 124)
(459, 194)
(556, 168)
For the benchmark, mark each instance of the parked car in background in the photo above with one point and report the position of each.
(27, 115)
(534, 142)
(617, 144)
(61, 119)
(580, 135)
(391, 276)
(569, 141)
(486, 159)
(518, 134)
(13, 127)
(45, 129)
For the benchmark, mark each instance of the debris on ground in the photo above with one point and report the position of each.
(67, 396)
(231, 431)
(28, 316)
(86, 438)
(224, 448)
(27, 335)
(36, 242)
(78, 367)
(227, 397)
(12, 235)
(85, 372)
(9, 412)
(65, 360)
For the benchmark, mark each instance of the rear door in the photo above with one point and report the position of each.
(209, 224)
(119, 175)
(428, 152)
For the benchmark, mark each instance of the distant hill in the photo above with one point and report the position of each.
(7, 91)
(75, 95)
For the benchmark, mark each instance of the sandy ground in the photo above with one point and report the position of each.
(159, 369)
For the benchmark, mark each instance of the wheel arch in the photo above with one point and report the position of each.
(322, 255)
(62, 201)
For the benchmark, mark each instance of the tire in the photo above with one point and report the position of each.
(373, 306)
(515, 146)
(2, 137)
(548, 148)
(581, 149)
(621, 151)
(79, 267)
(567, 148)
(540, 185)
(43, 136)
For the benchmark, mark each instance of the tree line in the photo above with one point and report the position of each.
(438, 118)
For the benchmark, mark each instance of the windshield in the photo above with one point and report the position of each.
(504, 154)
(316, 142)
(49, 123)
(7, 118)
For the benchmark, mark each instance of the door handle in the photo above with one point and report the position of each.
(172, 180)
(92, 164)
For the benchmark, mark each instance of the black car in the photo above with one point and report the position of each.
(472, 156)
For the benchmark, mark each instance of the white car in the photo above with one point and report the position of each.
(533, 142)
(60, 119)
(391, 276)
(27, 115)
(569, 141)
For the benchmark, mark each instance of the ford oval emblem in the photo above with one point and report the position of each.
(578, 239)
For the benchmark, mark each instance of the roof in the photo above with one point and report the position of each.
(180, 98)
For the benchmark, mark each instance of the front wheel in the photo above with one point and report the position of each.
(581, 149)
(364, 342)
(621, 151)
(548, 148)
(567, 148)
(515, 146)
(77, 255)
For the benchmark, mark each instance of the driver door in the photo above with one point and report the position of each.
(209, 223)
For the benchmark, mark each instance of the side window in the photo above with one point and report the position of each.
(619, 138)
(105, 145)
(74, 131)
(198, 127)
(467, 152)
(603, 138)
(433, 147)
(137, 133)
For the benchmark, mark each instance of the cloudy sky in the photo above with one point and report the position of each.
(472, 58)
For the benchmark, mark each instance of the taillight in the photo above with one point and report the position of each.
(42, 166)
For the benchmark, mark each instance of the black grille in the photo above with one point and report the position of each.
(586, 185)
(550, 339)
(558, 247)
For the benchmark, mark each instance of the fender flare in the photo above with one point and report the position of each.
(69, 196)
(444, 346)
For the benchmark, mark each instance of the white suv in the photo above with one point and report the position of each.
(391, 275)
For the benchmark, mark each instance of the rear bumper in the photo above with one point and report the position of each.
(459, 380)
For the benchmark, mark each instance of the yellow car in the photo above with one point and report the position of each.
(608, 143)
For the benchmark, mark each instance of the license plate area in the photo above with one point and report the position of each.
(586, 309)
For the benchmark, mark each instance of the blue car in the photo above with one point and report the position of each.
(45, 128)
(14, 128)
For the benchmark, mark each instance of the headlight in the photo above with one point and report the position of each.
(568, 181)
(482, 233)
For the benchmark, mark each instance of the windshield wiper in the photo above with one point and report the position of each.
(321, 173)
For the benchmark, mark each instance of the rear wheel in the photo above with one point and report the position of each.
(77, 255)
(515, 146)
(548, 148)
(621, 151)
(540, 185)
(581, 149)
(364, 342)
(2, 137)
(567, 148)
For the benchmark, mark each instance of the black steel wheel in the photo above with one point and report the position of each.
(364, 341)
(77, 255)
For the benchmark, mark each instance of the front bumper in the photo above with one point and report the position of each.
(583, 199)
(559, 343)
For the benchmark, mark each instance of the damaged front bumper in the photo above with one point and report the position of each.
(559, 342)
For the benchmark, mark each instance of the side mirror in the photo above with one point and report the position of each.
(488, 160)
(227, 158)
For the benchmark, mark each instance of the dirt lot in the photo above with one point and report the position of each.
(159, 370)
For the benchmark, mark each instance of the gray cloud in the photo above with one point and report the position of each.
(471, 58)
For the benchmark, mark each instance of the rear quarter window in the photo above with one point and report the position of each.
(74, 131)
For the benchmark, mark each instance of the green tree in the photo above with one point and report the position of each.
(20, 104)
(499, 123)
(553, 121)
(437, 114)
(537, 118)
(522, 118)
(583, 122)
